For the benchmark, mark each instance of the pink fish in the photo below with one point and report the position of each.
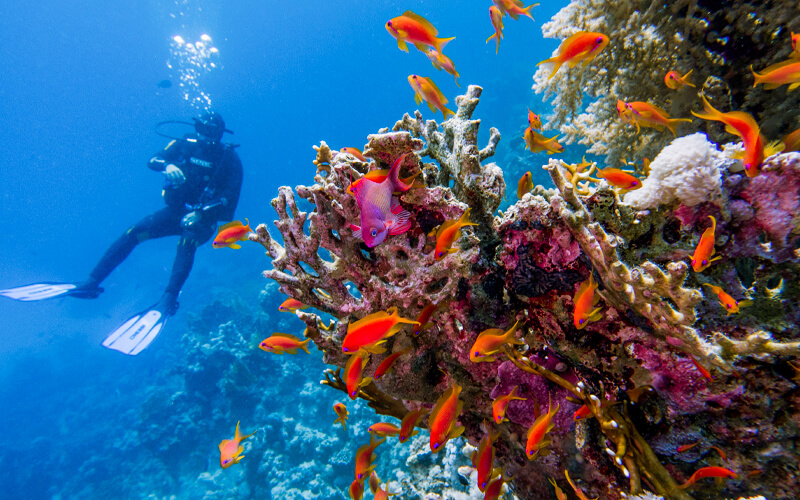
(381, 214)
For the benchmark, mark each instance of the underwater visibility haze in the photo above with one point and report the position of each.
(435, 250)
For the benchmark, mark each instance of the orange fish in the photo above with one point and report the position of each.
(675, 81)
(500, 405)
(578, 491)
(703, 472)
(384, 429)
(413, 28)
(426, 90)
(560, 495)
(229, 234)
(782, 73)
(705, 373)
(525, 185)
(422, 320)
(728, 302)
(341, 411)
(583, 46)
(353, 373)
(796, 45)
(791, 141)
(386, 365)
(483, 459)
(408, 423)
(355, 152)
(534, 120)
(291, 305)
(514, 8)
(374, 482)
(442, 62)
(280, 343)
(537, 434)
(643, 114)
(442, 421)
(371, 331)
(537, 143)
(365, 455)
(496, 17)
(745, 126)
(582, 412)
(705, 248)
(585, 300)
(620, 179)
(687, 447)
(356, 490)
(495, 488)
(448, 233)
(490, 341)
(230, 450)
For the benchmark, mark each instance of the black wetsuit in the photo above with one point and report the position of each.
(213, 179)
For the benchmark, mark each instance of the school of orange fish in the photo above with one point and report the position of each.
(366, 336)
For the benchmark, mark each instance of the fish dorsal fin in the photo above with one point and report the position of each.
(491, 331)
(285, 336)
(229, 225)
(444, 226)
(424, 22)
(570, 40)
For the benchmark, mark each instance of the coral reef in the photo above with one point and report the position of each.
(718, 41)
(525, 265)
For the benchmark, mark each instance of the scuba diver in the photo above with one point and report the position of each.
(203, 180)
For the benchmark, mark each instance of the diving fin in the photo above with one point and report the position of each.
(138, 331)
(38, 291)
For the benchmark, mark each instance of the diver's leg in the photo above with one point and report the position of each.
(165, 222)
(184, 259)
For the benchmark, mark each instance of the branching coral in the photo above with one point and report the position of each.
(524, 266)
(718, 41)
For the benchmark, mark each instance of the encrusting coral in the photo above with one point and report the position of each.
(718, 41)
(632, 368)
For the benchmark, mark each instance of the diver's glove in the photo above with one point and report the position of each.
(174, 175)
(189, 220)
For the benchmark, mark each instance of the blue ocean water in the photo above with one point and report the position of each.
(81, 98)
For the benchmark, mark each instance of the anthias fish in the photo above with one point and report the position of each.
(448, 233)
(230, 234)
(426, 90)
(500, 405)
(675, 81)
(442, 421)
(370, 332)
(230, 450)
(490, 341)
(279, 343)
(580, 47)
(415, 29)
(341, 411)
(496, 17)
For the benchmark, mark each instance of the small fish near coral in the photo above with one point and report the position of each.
(230, 234)
(448, 233)
(500, 405)
(525, 185)
(489, 342)
(514, 8)
(426, 90)
(442, 62)
(280, 343)
(537, 440)
(231, 450)
(442, 421)
(730, 304)
(291, 305)
(675, 81)
(701, 258)
(341, 411)
(371, 331)
(408, 423)
(583, 47)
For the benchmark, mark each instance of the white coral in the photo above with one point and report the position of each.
(689, 170)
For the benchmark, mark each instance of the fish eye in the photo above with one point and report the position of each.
(705, 262)
(599, 39)
(483, 484)
(581, 321)
(436, 446)
(374, 233)
(226, 461)
(477, 353)
(360, 476)
(635, 183)
(345, 349)
(353, 393)
(530, 452)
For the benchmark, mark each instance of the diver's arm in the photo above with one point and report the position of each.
(167, 156)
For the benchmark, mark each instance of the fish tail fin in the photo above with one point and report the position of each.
(441, 42)
(756, 77)
(446, 112)
(709, 112)
(304, 345)
(464, 219)
(557, 65)
(672, 124)
(527, 10)
(494, 36)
